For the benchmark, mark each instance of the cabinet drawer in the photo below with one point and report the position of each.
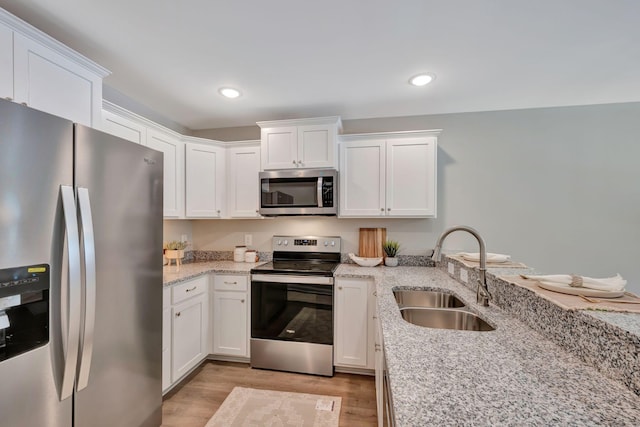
(230, 283)
(189, 289)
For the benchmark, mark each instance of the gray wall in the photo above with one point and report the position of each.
(556, 188)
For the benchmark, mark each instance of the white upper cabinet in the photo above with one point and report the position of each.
(205, 180)
(389, 175)
(362, 178)
(411, 177)
(6, 62)
(303, 143)
(124, 127)
(243, 190)
(47, 75)
(173, 149)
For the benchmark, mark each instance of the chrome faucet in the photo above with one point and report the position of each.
(482, 293)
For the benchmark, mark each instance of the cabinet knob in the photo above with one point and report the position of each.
(242, 301)
(294, 162)
(300, 162)
(375, 293)
(387, 209)
(178, 314)
(339, 288)
(381, 209)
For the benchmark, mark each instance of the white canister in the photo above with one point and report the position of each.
(250, 256)
(238, 253)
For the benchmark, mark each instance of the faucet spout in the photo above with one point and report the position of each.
(482, 294)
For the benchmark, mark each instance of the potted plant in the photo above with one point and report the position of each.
(391, 248)
(175, 250)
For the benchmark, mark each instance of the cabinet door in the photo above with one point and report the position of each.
(47, 81)
(411, 177)
(205, 181)
(362, 178)
(316, 146)
(166, 338)
(243, 189)
(189, 331)
(173, 150)
(124, 128)
(230, 323)
(279, 148)
(6, 62)
(352, 319)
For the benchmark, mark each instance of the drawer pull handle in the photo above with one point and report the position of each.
(178, 314)
(230, 283)
(192, 289)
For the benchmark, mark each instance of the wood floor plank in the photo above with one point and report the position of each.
(193, 402)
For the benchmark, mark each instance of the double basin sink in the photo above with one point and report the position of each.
(439, 310)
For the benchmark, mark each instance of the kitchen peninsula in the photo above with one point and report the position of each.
(514, 375)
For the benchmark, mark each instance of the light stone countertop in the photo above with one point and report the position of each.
(189, 271)
(510, 376)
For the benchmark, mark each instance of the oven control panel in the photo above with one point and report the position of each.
(307, 243)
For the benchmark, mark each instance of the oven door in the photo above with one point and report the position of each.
(292, 308)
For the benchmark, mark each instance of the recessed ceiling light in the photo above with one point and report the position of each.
(422, 79)
(229, 92)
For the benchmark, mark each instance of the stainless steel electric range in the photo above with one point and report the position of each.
(292, 306)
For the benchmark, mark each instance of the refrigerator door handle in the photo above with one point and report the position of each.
(88, 243)
(70, 306)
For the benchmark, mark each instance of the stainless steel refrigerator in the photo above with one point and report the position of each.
(80, 275)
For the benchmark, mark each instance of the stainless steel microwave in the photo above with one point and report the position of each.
(299, 192)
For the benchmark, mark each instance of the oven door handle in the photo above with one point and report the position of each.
(285, 279)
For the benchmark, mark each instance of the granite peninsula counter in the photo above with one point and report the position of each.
(514, 375)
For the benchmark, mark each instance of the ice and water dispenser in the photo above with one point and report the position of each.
(24, 309)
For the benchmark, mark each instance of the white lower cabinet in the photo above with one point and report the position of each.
(166, 338)
(230, 325)
(355, 310)
(185, 331)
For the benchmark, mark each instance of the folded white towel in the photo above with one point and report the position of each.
(615, 283)
(475, 256)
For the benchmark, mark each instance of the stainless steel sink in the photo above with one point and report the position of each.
(442, 318)
(431, 299)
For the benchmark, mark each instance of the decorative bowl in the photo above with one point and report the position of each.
(365, 262)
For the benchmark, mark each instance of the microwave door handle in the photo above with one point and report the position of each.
(86, 223)
(319, 191)
(70, 301)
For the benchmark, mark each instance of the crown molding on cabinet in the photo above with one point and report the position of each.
(388, 135)
(298, 122)
(27, 30)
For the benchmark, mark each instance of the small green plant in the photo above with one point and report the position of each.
(391, 248)
(177, 245)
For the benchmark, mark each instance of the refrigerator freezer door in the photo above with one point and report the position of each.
(124, 183)
(36, 158)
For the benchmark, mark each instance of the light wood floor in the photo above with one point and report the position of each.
(192, 403)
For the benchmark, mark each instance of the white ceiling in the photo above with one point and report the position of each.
(297, 58)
